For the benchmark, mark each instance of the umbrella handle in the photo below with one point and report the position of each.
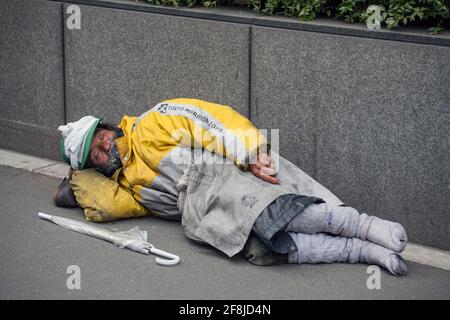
(171, 258)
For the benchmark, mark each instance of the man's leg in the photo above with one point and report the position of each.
(324, 248)
(347, 222)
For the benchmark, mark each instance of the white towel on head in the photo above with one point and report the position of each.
(74, 134)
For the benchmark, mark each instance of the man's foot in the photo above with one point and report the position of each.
(63, 195)
(324, 248)
(372, 253)
(388, 234)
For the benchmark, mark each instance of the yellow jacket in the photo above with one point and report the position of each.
(157, 146)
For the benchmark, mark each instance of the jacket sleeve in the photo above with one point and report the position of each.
(102, 198)
(214, 127)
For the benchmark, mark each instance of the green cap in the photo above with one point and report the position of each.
(85, 145)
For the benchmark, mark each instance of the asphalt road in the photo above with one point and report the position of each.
(35, 254)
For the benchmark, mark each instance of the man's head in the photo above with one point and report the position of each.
(103, 154)
(89, 143)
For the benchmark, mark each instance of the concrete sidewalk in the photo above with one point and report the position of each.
(35, 256)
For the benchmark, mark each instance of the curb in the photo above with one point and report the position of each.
(429, 256)
(47, 167)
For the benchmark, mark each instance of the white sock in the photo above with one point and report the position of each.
(372, 253)
(388, 234)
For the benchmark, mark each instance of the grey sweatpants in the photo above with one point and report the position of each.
(321, 217)
(325, 234)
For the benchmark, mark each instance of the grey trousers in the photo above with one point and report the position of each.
(321, 217)
(325, 234)
(325, 248)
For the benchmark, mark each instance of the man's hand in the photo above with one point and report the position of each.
(264, 168)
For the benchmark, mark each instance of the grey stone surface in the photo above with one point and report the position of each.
(31, 76)
(59, 170)
(123, 62)
(247, 16)
(284, 93)
(384, 139)
(35, 255)
(24, 161)
(367, 118)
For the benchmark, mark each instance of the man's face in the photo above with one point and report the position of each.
(101, 145)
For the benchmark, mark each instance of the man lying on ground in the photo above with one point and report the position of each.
(210, 167)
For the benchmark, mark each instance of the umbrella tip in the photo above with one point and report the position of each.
(44, 216)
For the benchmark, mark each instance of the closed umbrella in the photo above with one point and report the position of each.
(134, 239)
